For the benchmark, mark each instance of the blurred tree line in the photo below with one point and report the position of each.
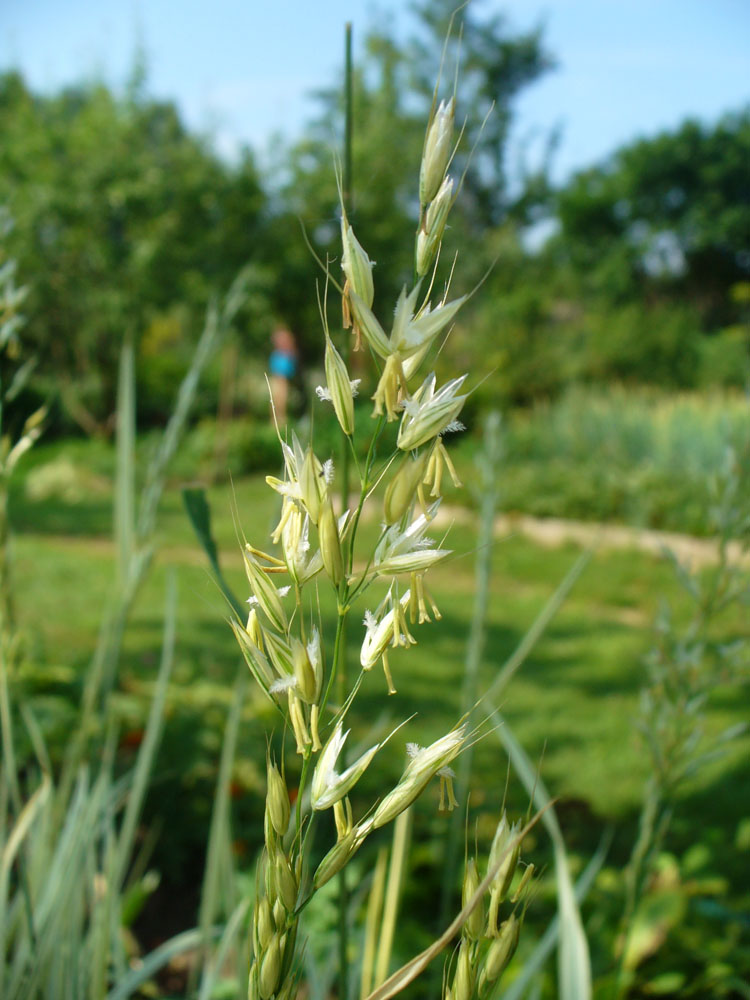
(126, 223)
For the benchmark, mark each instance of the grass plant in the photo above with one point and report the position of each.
(623, 454)
(305, 672)
(346, 833)
(73, 873)
(689, 664)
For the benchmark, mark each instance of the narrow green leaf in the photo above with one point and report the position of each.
(233, 928)
(219, 855)
(151, 737)
(125, 477)
(574, 964)
(154, 961)
(199, 512)
(540, 623)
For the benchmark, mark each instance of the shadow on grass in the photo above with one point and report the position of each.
(55, 517)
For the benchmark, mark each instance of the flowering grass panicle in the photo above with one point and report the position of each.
(284, 641)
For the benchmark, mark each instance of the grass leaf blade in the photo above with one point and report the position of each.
(199, 512)
(574, 963)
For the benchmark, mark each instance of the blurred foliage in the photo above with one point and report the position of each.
(644, 278)
(641, 457)
(669, 215)
(129, 223)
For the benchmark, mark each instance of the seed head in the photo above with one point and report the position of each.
(402, 489)
(329, 787)
(463, 982)
(339, 855)
(280, 654)
(422, 330)
(475, 921)
(270, 969)
(340, 387)
(264, 924)
(430, 236)
(424, 765)
(505, 849)
(277, 800)
(299, 726)
(285, 882)
(429, 413)
(384, 629)
(390, 386)
(304, 674)
(356, 265)
(369, 326)
(303, 564)
(330, 543)
(256, 660)
(437, 151)
(408, 551)
(500, 953)
(264, 592)
(312, 484)
(315, 657)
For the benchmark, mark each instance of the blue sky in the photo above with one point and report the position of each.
(242, 70)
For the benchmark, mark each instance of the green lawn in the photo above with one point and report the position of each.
(572, 704)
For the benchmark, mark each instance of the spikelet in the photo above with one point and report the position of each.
(340, 387)
(437, 151)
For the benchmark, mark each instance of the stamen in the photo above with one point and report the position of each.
(387, 672)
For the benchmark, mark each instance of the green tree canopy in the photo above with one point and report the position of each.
(125, 224)
(666, 217)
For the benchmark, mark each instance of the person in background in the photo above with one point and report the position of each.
(282, 369)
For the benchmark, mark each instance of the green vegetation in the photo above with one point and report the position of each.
(573, 705)
(134, 744)
(129, 224)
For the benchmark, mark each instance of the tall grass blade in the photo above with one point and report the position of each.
(231, 932)
(154, 961)
(574, 964)
(372, 923)
(20, 830)
(10, 768)
(401, 838)
(487, 493)
(215, 329)
(537, 629)
(219, 866)
(199, 512)
(125, 477)
(151, 738)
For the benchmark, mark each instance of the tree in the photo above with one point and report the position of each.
(126, 223)
(666, 218)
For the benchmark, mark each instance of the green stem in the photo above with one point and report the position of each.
(300, 790)
(343, 935)
(346, 195)
(7, 616)
(488, 468)
(339, 661)
(337, 646)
